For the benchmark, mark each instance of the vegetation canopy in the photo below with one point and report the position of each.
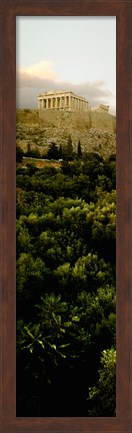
(66, 327)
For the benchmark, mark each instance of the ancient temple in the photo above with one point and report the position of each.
(62, 100)
(101, 108)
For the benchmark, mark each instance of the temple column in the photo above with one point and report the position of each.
(74, 103)
(62, 102)
(53, 102)
(65, 102)
(70, 101)
(58, 102)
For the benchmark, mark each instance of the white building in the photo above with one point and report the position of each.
(101, 108)
(62, 100)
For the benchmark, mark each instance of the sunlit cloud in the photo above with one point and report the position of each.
(41, 70)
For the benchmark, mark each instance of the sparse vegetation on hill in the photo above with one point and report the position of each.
(38, 133)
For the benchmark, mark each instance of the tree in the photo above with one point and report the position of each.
(70, 147)
(28, 148)
(34, 153)
(60, 152)
(68, 150)
(102, 397)
(19, 154)
(79, 151)
(30, 275)
(53, 152)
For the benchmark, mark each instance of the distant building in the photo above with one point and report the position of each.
(101, 108)
(62, 100)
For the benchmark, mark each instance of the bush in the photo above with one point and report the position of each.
(19, 154)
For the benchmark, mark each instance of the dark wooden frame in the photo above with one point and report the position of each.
(122, 9)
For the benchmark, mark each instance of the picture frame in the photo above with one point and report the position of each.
(122, 9)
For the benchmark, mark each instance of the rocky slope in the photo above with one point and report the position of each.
(96, 133)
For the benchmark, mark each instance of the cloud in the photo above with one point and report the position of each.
(95, 92)
(35, 72)
(30, 85)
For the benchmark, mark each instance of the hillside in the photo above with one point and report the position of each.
(96, 131)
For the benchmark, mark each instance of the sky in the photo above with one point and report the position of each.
(66, 53)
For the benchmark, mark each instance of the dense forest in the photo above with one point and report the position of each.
(66, 300)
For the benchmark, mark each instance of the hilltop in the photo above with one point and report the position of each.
(96, 131)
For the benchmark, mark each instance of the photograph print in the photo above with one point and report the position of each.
(66, 216)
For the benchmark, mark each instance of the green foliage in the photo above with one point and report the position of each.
(67, 153)
(66, 286)
(33, 153)
(54, 325)
(102, 397)
(19, 154)
(53, 151)
(29, 270)
(79, 151)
